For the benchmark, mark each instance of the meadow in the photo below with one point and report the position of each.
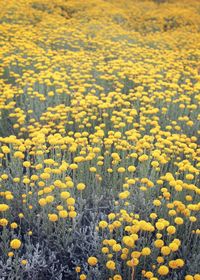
(99, 140)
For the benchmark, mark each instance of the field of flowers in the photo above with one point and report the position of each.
(99, 139)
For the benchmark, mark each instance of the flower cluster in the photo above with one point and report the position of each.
(99, 139)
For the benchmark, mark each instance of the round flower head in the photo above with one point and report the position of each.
(15, 244)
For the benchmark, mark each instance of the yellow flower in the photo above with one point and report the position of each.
(4, 176)
(53, 217)
(117, 277)
(189, 277)
(153, 216)
(21, 215)
(131, 168)
(14, 225)
(15, 244)
(189, 176)
(105, 250)
(93, 169)
(160, 259)
(3, 207)
(24, 262)
(63, 214)
(148, 274)
(59, 207)
(173, 264)
(73, 166)
(159, 243)
(173, 246)
(111, 216)
(82, 277)
(49, 198)
(81, 186)
(103, 224)
(92, 261)
(78, 269)
(135, 254)
(116, 247)
(45, 176)
(128, 241)
(165, 250)
(72, 214)
(171, 229)
(146, 251)
(160, 225)
(42, 202)
(163, 270)
(143, 158)
(64, 195)
(69, 184)
(3, 222)
(19, 155)
(26, 164)
(70, 201)
(121, 169)
(193, 219)
(178, 220)
(5, 149)
(180, 262)
(156, 202)
(10, 254)
(110, 265)
(124, 195)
